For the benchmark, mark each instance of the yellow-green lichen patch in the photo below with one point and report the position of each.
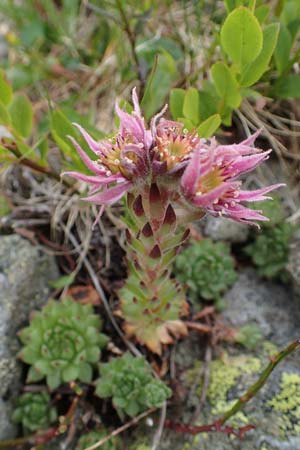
(224, 375)
(265, 447)
(269, 348)
(287, 403)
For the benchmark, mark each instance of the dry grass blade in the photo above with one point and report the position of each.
(121, 429)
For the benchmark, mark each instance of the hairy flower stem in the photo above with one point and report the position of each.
(218, 425)
(151, 301)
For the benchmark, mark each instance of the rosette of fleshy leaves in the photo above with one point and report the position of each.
(62, 343)
(34, 411)
(92, 437)
(170, 177)
(270, 248)
(130, 383)
(206, 268)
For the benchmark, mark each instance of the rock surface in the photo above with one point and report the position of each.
(293, 267)
(220, 229)
(275, 411)
(25, 272)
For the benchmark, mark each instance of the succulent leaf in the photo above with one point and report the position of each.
(207, 268)
(62, 343)
(34, 411)
(270, 250)
(130, 383)
(91, 438)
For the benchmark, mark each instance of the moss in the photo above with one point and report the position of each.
(287, 404)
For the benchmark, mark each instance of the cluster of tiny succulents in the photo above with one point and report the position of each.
(90, 438)
(206, 268)
(62, 343)
(269, 250)
(130, 383)
(34, 411)
(170, 177)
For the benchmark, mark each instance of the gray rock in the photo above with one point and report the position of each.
(268, 304)
(293, 267)
(7, 429)
(25, 272)
(220, 229)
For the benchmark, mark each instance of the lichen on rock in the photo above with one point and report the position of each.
(287, 404)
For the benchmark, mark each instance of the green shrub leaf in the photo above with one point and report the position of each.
(21, 115)
(159, 83)
(241, 36)
(287, 87)
(4, 115)
(283, 49)
(6, 92)
(262, 12)
(209, 126)
(226, 85)
(176, 102)
(261, 64)
(191, 105)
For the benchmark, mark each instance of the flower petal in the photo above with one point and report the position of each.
(87, 161)
(259, 194)
(205, 200)
(109, 196)
(89, 140)
(101, 180)
(191, 174)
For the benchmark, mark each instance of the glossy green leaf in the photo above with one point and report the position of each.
(283, 49)
(159, 84)
(186, 122)
(226, 85)
(287, 87)
(61, 128)
(262, 12)
(208, 101)
(21, 114)
(6, 92)
(261, 64)
(241, 36)
(230, 5)
(207, 128)
(191, 105)
(176, 102)
(4, 115)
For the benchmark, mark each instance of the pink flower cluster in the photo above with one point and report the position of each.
(203, 175)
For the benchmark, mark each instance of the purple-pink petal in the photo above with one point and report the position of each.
(94, 146)
(87, 161)
(98, 179)
(258, 194)
(190, 176)
(111, 195)
(248, 163)
(207, 199)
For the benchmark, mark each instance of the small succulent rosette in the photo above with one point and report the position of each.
(130, 383)
(62, 343)
(34, 411)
